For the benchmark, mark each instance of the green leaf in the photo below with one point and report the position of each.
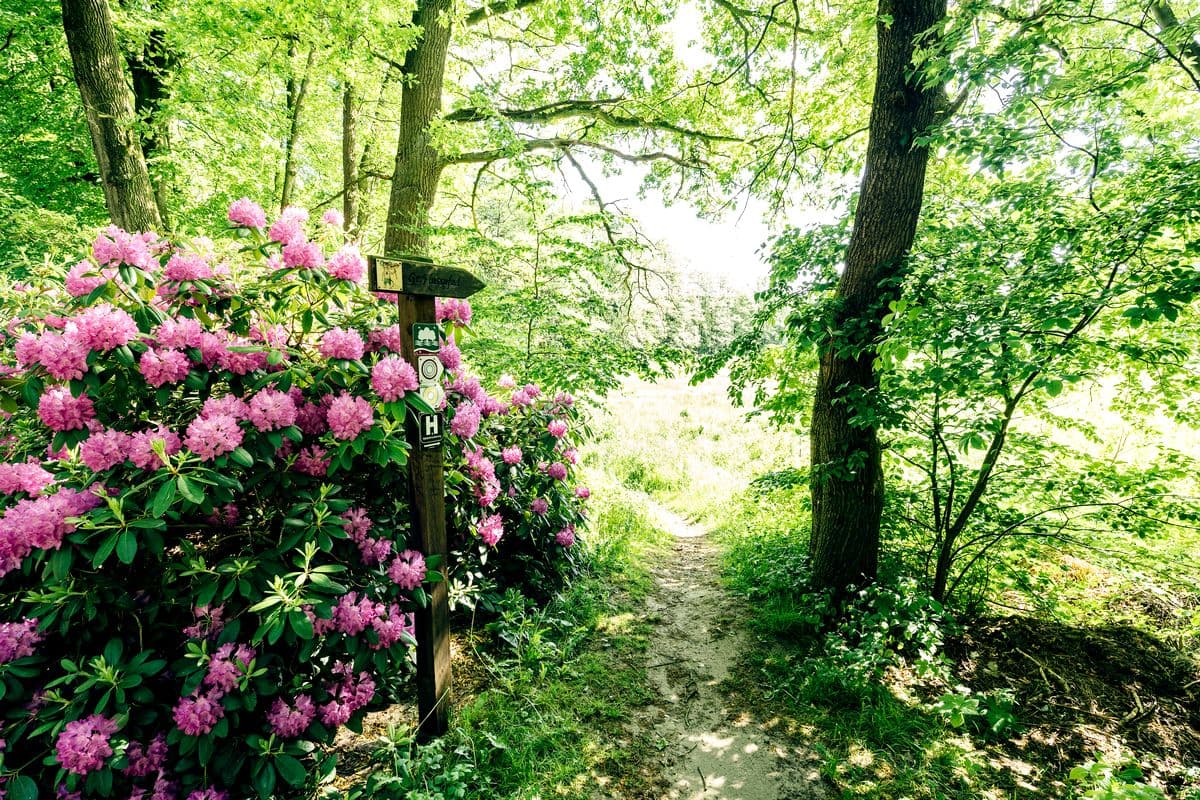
(190, 491)
(163, 499)
(291, 769)
(22, 788)
(264, 779)
(242, 456)
(301, 624)
(126, 547)
(104, 551)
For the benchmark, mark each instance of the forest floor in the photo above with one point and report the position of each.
(712, 748)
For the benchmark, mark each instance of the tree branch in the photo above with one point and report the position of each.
(598, 109)
(565, 144)
(488, 11)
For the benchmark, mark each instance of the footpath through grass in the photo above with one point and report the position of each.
(901, 701)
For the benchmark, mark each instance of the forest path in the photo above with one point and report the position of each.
(712, 750)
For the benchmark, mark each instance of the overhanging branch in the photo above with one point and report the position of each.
(564, 144)
(488, 11)
(600, 109)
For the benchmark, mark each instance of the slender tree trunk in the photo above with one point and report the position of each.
(350, 187)
(296, 94)
(148, 70)
(847, 475)
(418, 164)
(369, 137)
(108, 105)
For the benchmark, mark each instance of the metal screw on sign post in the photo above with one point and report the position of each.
(416, 282)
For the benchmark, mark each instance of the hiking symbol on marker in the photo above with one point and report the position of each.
(425, 337)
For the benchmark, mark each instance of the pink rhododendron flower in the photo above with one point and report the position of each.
(521, 399)
(491, 528)
(310, 419)
(407, 570)
(209, 437)
(212, 348)
(228, 665)
(570, 455)
(312, 461)
(351, 694)
(348, 264)
(60, 411)
(40, 523)
(342, 343)
(452, 309)
(353, 615)
(532, 390)
(27, 477)
(246, 358)
(356, 523)
(557, 428)
(566, 537)
(64, 357)
(333, 218)
(83, 746)
(511, 455)
(300, 254)
(507, 382)
(142, 444)
(564, 399)
(179, 333)
(209, 623)
(391, 377)
(466, 421)
(391, 627)
(187, 267)
(271, 410)
(386, 339)
(450, 356)
(18, 639)
(146, 760)
(557, 471)
(103, 328)
(199, 713)
(245, 213)
(206, 794)
(115, 246)
(84, 278)
(348, 416)
(583, 492)
(228, 404)
(160, 367)
(288, 722)
(289, 226)
(104, 449)
(539, 506)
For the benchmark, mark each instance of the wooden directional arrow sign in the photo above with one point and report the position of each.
(417, 276)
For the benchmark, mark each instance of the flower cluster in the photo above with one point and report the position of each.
(199, 424)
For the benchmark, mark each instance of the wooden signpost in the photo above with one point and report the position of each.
(417, 281)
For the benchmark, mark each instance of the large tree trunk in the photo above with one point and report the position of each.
(108, 105)
(847, 476)
(418, 164)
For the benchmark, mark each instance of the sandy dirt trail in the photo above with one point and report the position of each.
(711, 751)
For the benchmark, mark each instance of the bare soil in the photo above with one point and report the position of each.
(1083, 691)
(710, 747)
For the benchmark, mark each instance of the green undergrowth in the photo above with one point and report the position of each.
(554, 687)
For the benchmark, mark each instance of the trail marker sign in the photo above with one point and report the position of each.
(417, 281)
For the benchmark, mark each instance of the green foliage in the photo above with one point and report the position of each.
(408, 771)
(1103, 779)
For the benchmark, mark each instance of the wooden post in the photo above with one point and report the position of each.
(417, 283)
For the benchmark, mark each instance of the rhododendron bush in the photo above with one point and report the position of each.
(206, 563)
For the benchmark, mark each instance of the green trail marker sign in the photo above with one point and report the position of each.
(417, 281)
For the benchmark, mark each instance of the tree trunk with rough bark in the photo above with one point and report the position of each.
(149, 69)
(418, 164)
(847, 475)
(109, 107)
